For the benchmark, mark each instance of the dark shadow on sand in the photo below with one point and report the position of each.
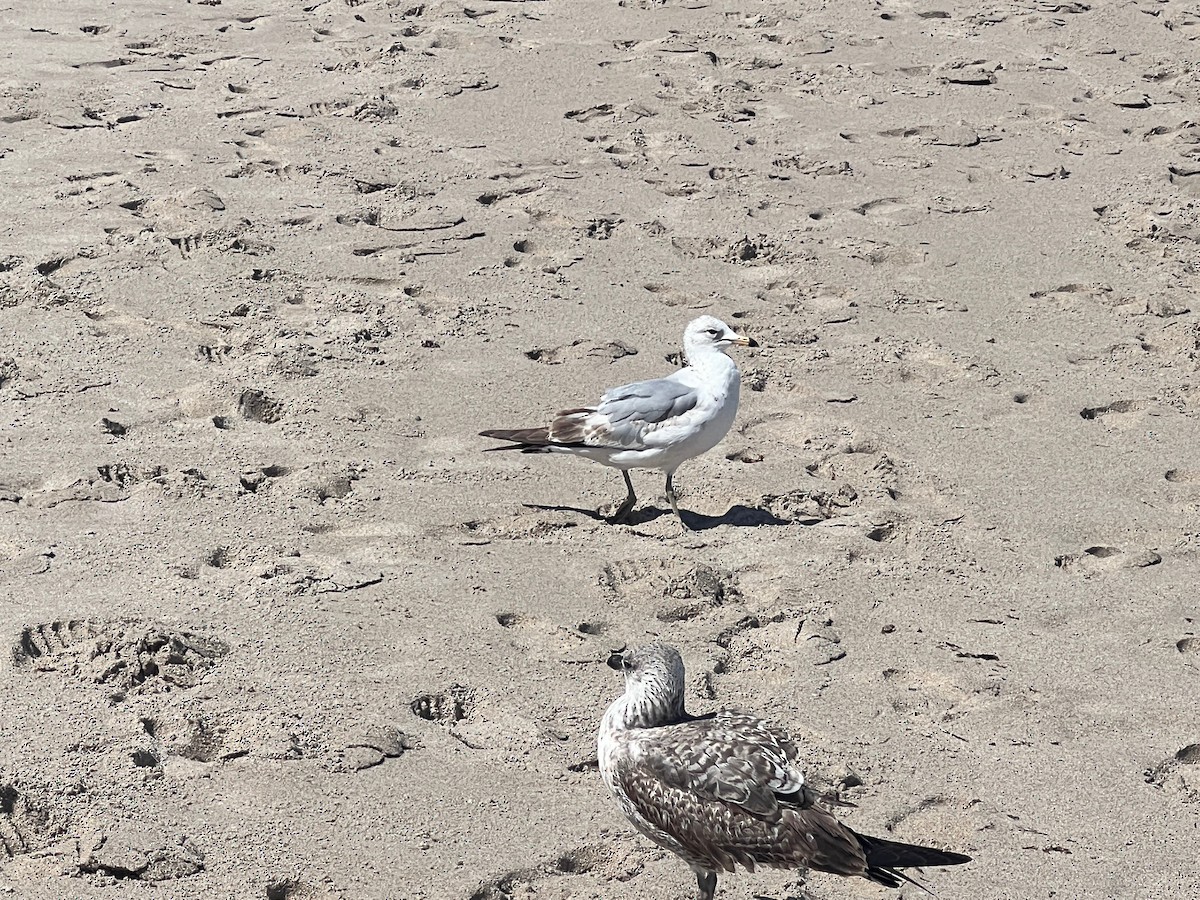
(738, 516)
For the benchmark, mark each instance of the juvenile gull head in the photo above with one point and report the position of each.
(727, 789)
(653, 685)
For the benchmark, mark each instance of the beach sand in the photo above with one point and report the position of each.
(280, 628)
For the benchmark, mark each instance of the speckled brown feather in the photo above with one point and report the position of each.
(695, 783)
(727, 789)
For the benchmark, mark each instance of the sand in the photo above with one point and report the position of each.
(280, 628)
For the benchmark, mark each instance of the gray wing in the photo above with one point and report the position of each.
(729, 790)
(648, 402)
(626, 415)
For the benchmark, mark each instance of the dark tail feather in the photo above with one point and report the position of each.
(885, 858)
(526, 439)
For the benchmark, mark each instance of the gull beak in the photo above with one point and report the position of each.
(743, 341)
(617, 659)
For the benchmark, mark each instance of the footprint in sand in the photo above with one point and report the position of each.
(535, 524)
(129, 657)
(139, 852)
(670, 296)
(1182, 476)
(1091, 413)
(581, 349)
(788, 637)
(591, 628)
(893, 211)
(804, 164)
(1179, 772)
(1186, 132)
(257, 406)
(289, 888)
(610, 862)
(685, 590)
(1094, 560)
(447, 707)
(1185, 176)
(255, 481)
(973, 73)
(26, 825)
(929, 135)
(370, 746)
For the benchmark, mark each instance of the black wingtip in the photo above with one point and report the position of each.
(886, 858)
(506, 435)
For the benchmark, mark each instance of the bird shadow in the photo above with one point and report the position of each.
(737, 515)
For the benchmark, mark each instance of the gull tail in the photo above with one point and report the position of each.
(885, 858)
(527, 440)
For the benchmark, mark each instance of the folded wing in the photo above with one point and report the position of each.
(626, 417)
(729, 791)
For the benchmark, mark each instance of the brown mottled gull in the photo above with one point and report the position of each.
(726, 789)
(657, 424)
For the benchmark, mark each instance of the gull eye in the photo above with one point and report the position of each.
(713, 332)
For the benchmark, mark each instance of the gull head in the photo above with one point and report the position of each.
(708, 331)
(653, 672)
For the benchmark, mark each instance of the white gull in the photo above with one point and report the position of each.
(657, 424)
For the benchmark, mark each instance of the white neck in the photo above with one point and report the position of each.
(643, 706)
(639, 707)
(709, 359)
